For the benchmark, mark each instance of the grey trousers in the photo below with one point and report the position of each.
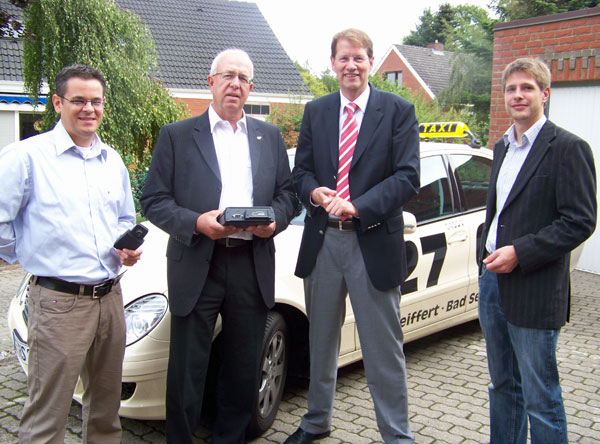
(340, 269)
(69, 336)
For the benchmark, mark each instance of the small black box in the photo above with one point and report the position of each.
(245, 216)
(131, 239)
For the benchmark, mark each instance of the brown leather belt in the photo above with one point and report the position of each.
(342, 225)
(95, 291)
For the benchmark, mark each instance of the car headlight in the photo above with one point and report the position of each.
(143, 314)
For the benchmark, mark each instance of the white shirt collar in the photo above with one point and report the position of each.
(214, 119)
(64, 142)
(361, 100)
(528, 137)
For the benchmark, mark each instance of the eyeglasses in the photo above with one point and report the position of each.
(228, 76)
(81, 103)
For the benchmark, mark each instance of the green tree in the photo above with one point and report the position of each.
(288, 118)
(427, 110)
(467, 31)
(432, 27)
(318, 86)
(99, 33)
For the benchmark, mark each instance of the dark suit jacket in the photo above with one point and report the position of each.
(184, 181)
(550, 210)
(384, 174)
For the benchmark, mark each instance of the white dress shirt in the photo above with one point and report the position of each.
(361, 101)
(233, 155)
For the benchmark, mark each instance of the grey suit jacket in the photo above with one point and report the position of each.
(384, 174)
(550, 210)
(184, 181)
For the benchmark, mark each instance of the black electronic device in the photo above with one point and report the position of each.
(246, 216)
(131, 239)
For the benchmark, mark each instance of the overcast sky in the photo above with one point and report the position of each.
(305, 27)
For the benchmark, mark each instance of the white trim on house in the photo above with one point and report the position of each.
(409, 66)
(255, 98)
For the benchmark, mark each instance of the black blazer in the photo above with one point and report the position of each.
(184, 181)
(384, 174)
(550, 210)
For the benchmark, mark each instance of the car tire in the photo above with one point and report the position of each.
(272, 374)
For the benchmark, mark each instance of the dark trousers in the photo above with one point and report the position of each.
(231, 289)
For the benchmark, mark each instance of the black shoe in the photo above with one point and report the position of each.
(302, 437)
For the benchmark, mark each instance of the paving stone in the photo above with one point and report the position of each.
(447, 379)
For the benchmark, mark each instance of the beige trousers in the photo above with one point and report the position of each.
(71, 336)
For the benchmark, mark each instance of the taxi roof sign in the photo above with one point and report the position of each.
(447, 129)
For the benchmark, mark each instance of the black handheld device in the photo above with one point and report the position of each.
(131, 239)
(245, 216)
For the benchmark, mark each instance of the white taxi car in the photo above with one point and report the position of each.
(443, 224)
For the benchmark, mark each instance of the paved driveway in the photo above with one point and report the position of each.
(447, 377)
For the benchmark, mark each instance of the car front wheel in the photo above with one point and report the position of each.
(272, 374)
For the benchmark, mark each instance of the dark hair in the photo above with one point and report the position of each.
(77, 71)
(356, 37)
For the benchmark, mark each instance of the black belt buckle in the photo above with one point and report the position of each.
(101, 289)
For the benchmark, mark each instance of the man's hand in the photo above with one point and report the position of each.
(129, 257)
(503, 260)
(341, 208)
(207, 224)
(262, 230)
(322, 196)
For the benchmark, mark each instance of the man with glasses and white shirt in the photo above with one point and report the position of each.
(66, 198)
(201, 166)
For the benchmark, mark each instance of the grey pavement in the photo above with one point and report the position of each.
(447, 377)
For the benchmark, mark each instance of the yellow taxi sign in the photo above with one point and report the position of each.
(443, 129)
(447, 129)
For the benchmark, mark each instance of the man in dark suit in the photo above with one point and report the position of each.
(541, 205)
(357, 163)
(200, 166)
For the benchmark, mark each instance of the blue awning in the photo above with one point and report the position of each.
(21, 99)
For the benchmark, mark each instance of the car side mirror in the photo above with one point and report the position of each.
(410, 222)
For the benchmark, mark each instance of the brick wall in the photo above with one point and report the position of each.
(569, 43)
(196, 106)
(393, 62)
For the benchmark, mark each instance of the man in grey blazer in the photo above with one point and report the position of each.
(541, 205)
(200, 166)
(353, 240)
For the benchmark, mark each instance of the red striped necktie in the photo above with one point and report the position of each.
(347, 144)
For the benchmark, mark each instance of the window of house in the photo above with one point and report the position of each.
(27, 123)
(262, 110)
(395, 77)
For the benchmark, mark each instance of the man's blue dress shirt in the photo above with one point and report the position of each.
(62, 207)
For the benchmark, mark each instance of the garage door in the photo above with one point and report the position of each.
(577, 109)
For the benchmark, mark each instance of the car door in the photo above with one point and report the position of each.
(438, 253)
(472, 175)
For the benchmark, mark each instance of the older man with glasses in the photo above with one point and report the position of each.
(201, 166)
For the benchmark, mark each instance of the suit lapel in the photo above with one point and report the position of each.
(499, 154)
(205, 144)
(255, 141)
(370, 122)
(332, 126)
(535, 156)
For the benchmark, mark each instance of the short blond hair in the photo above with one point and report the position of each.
(354, 36)
(534, 67)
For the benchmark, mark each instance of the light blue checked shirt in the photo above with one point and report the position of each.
(511, 166)
(62, 207)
